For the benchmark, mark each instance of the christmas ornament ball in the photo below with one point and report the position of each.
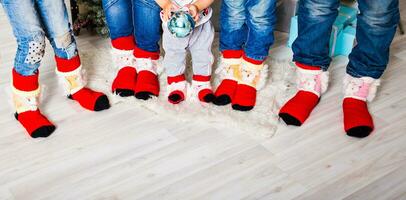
(181, 24)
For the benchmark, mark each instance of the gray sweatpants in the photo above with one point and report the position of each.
(199, 44)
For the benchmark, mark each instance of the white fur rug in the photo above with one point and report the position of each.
(261, 121)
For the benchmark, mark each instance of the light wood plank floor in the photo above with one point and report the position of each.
(130, 153)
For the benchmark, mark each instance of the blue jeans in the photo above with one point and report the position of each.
(376, 27)
(248, 25)
(32, 21)
(138, 17)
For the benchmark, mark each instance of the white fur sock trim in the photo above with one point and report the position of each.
(146, 64)
(250, 74)
(314, 81)
(181, 86)
(122, 58)
(25, 101)
(72, 81)
(232, 61)
(363, 88)
(228, 68)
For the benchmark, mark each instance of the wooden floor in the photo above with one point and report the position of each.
(130, 153)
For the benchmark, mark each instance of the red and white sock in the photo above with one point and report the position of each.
(70, 72)
(246, 93)
(124, 64)
(26, 92)
(177, 89)
(311, 83)
(147, 81)
(229, 66)
(201, 87)
(358, 121)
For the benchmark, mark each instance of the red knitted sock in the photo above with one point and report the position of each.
(245, 96)
(203, 88)
(123, 58)
(70, 71)
(25, 95)
(176, 89)
(298, 108)
(147, 81)
(229, 67)
(357, 120)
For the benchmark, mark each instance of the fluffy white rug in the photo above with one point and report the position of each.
(261, 121)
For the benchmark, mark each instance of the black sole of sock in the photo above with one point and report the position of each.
(144, 95)
(43, 132)
(102, 103)
(222, 100)
(359, 131)
(289, 119)
(242, 108)
(175, 98)
(124, 92)
(209, 98)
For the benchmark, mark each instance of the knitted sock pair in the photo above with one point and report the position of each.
(312, 83)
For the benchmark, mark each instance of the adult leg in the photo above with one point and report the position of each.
(120, 22)
(30, 51)
(311, 48)
(260, 21)
(55, 19)
(377, 23)
(147, 31)
(233, 34)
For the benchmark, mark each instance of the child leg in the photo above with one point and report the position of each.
(310, 49)
(55, 19)
(202, 57)
(233, 35)
(147, 31)
(31, 47)
(120, 22)
(175, 63)
(260, 21)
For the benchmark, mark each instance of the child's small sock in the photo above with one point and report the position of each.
(358, 121)
(124, 64)
(26, 92)
(202, 88)
(177, 88)
(147, 81)
(246, 93)
(228, 70)
(311, 83)
(70, 72)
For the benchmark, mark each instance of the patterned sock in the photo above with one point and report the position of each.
(176, 89)
(70, 72)
(246, 93)
(228, 69)
(26, 93)
(202, 87)
(312, 82)
(124, 64)
(147, 81)
(358, 121)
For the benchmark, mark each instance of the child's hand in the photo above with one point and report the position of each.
(194, 11)
(167, 10)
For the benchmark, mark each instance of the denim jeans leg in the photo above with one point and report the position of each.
(377, 23)
(261, 21)
(233, 29)
(55, 19)
(315, 19)
(119, 17)
(29, 34)
(147, 25)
